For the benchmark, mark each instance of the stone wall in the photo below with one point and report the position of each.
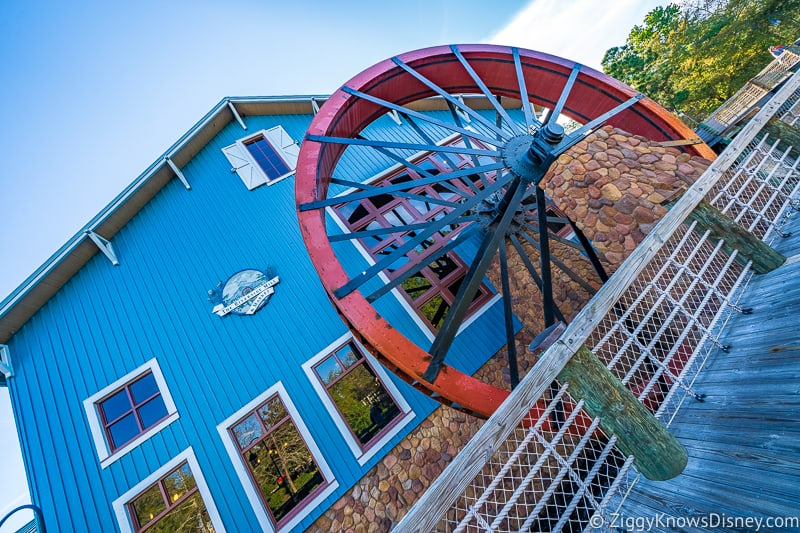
(382, 497)
(612, 184)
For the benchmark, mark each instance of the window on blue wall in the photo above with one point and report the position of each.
(129, 411)
(277, 459)
(173, 498)
(132, 410)
(264, 157)
(366, 406)
(432, 290)
(358, 393)
(171, 504)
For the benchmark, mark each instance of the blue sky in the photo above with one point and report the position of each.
(95, 91)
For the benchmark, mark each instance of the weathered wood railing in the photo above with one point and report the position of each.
(756, 89)
(652, 324)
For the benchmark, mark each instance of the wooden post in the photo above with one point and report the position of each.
(658, 455)
(764, 257)
(789, 135)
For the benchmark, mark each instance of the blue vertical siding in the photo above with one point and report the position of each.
(107, 321)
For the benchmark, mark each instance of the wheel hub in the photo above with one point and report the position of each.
(489, 209)
(528, 156)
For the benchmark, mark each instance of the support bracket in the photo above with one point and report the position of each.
(395, 116)
(5, 364)
(178, 173)
(104, 245)
(236, 115)
(314, 105)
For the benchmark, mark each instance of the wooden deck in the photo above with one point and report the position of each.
(744, 440)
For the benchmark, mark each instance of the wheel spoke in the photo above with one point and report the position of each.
(338, 237)
(411, 184)
(575, 137)
(530, 120)
(416, 147)
(534, 227)
(562, 100)
(371, 192)
(467, 143)
(415, 268)
(446, 156)
(431, 120)
(532, 270)
(563, 267)
(544, 255)
(367, 191)
(485, 90)
(511, 344)
(466, 292)
(418, 169)
(590, 252)
(449, 97)
(410, 244)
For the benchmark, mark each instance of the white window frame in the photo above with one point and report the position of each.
(250, 489)
(246, 167)
(120, 505)
(90, 405)
(362, 456)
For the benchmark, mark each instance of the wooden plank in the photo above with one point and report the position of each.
(680, 142)
(651, 498)
(748, 456)
(657, 454)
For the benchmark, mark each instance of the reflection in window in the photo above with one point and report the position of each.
(172, 504)
(429, 291)
(277, 458)
(267, 158)
(131, 410)
(359, 395)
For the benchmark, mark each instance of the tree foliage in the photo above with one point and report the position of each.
(691, 57)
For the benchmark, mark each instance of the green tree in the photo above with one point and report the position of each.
(692, 57)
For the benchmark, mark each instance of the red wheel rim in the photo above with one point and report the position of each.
(346, 114)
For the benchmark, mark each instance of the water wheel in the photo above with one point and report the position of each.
(485, 129)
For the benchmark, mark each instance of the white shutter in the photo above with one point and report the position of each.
(241, 164)
(282, 142)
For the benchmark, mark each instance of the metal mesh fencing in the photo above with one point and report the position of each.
(560, 472)
(553, 476)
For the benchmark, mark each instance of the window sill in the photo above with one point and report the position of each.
(270, 183)
(375, 447)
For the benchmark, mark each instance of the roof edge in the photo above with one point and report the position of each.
(13, 315)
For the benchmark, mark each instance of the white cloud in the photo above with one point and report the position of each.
(580, 30)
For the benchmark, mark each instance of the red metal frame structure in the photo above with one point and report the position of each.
(494, 72)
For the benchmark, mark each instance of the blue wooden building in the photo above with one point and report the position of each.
(177, 365)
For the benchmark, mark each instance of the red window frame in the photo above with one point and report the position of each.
(245, 452)
(170, 505)
(327, 385)
(133, 408)
(411, 211)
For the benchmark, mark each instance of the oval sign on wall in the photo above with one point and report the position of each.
(244, 293)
